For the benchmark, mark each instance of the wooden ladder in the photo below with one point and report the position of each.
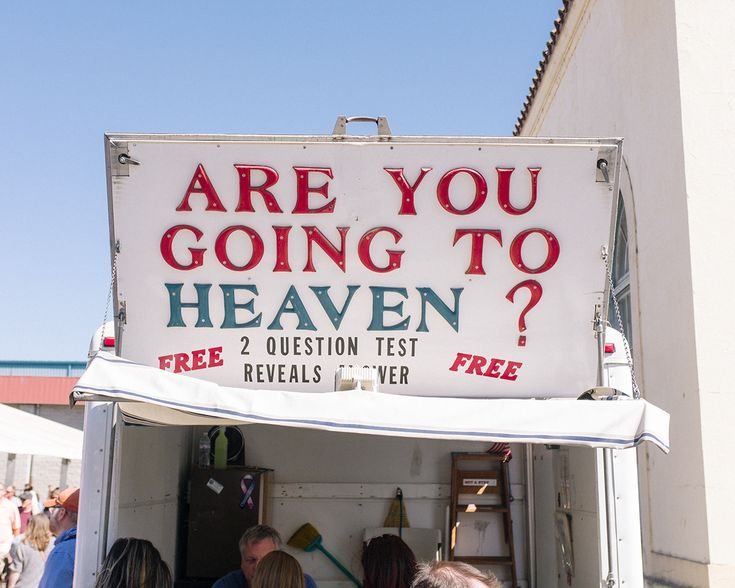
(482, 474)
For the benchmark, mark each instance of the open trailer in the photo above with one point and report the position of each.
(358, 309)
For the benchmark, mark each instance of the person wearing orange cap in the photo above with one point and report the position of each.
(64, 509)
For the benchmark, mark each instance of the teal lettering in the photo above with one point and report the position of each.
(292, 304)
(230, 306)
(451, 316)
(379, 309)
(175, 305)
(335, 316)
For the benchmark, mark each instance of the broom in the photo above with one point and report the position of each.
(308, 538)
(397, 515)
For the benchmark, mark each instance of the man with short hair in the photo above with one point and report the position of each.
(26, 510)
(63, 512)
(255, 544)
(452, 574)
(9, 528)
(10, 495)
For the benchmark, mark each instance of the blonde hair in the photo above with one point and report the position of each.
(278, 569)
(452, 574)
(38, 533)
(133, 563)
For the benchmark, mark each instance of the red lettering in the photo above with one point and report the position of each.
(197, 255)
(182, 362)
(442, 190)
(200, 184)
(493, 368)
(314, 235)
(197, 359)
(303, 190)
(220, 248)
(510, 371)
(478, 240)
(552, 254)
(394, 257)
(504, 190)
(214, 357)
(476, 365)
(460, 360)
(245, 203)
(407, 190)
(282, 264)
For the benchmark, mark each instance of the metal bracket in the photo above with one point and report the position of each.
(597, 322)
(120, 160)
(606, 159)
(340, 126)
(121, 315)
(117, 167)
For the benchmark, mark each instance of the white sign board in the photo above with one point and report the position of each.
(456, 267)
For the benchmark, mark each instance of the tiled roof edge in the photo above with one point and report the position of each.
(541, 69)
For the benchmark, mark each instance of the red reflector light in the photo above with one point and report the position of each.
(110, 342)
(609, 347)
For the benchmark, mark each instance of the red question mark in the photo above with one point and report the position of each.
(536, 292)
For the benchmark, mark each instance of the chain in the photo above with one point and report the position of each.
(109, 293)
(619, 318)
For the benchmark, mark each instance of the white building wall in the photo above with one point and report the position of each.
(660, 74)
(707, 71)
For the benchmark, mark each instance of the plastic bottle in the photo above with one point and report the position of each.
(220, 449)
(205, 446)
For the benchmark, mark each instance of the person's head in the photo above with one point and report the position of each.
(255, 544)
(10, 491)
(26, 500)
(63, 510)
(278, 569)
(53, 492)
(452, 574)
(133, 563)
(38, 532)
(388, 563)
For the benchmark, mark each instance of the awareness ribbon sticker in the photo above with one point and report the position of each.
(247, 485)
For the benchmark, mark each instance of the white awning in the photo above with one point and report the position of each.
(27, 434)
(151, 396)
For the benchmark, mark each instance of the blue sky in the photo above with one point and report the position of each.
(72, 71)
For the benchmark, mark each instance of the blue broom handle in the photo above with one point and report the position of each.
(337, 563)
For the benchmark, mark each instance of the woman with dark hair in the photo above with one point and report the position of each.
(133, 562)
(388, 563)
(278, 569)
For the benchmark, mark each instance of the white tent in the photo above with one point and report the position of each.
(151, 396)
(25, 433)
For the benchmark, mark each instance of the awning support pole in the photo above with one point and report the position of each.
(610, 518)
(609, 475)
(531, 516)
